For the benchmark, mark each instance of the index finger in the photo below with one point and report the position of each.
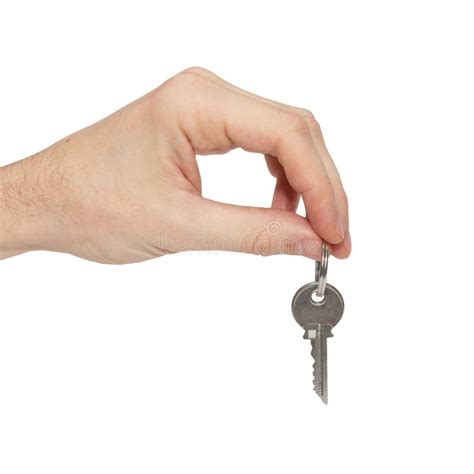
(261, 127)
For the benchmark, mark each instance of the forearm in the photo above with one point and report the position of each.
(28, 206)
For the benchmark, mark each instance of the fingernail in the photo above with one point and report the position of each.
(340, 227)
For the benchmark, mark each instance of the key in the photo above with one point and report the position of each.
(318, 307)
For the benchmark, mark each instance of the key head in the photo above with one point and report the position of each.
(309, 314)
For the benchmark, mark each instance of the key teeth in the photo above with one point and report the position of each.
(318, 386)
(317, 383)
(318, 352)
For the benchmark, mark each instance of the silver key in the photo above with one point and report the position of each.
(318, 307)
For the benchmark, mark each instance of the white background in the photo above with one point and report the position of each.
(193, 363)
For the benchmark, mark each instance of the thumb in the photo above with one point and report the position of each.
(260, 231)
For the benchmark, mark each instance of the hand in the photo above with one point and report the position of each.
(128, 188)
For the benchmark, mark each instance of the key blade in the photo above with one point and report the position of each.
(318, 338)
(320, 379)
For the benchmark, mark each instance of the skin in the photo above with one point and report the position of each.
(128, 188)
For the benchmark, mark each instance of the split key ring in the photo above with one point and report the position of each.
(321, 273)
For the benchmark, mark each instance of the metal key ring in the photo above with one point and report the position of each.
(321, 273)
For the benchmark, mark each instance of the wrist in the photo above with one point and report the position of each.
(27, 207)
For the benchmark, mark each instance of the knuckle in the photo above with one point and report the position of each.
(313, 123)
(297, 123)
(306, 113)
(261, 243)
(184, 79)
(194, 74)
(197, 70)
(179, 86)
(310, 119)
(155, 248)
(316, 128)
(268, 241)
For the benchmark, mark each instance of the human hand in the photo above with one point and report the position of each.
(128, 188)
